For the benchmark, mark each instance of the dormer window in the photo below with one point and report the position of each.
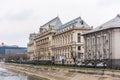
(100, 27)
(82, 22)
(118, 15)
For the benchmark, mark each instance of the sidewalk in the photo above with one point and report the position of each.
(52, 73)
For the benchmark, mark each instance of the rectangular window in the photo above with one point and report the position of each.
(80, 55)
(79, 47)
(79, 37)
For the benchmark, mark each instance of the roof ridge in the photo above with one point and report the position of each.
(118, 16)
(51, 20)
(72, 20)
(112, 23)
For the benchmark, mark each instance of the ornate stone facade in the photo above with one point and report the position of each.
(56, 39)
(43, 45)
(68, 42)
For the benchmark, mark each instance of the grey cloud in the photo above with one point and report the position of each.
(108, 2)
(19, 16)
(13, 39)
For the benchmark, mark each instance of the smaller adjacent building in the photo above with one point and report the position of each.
(12, 50)
(102, 44)
(31, 46)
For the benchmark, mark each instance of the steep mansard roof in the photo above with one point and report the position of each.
(55, 22)
(78, 22)
(113, 23)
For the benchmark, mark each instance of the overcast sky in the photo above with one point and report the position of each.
(19, 18)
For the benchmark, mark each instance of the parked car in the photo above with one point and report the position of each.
(81, 64)
(90, 65)
(101, 65)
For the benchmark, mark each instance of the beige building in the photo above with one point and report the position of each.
(44, 39)
(102, 44)
(68, 41)
(56, 40)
